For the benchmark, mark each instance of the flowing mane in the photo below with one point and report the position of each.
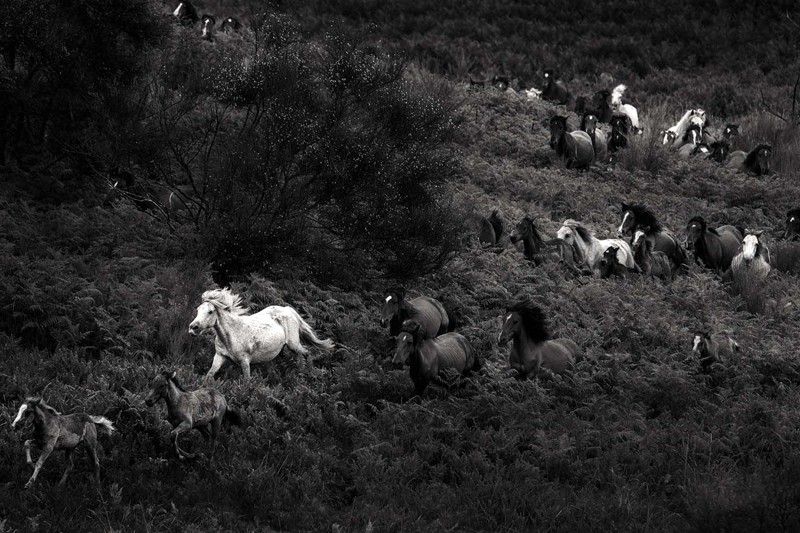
(645, 217)
(225, 299)
(582, 231)
(533, 321)
(41, 403)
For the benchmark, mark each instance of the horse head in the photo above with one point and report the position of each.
(639, 237)
(628, 221)
(694, 231)
(792, 225)
(751, 245)
(730, 131)
(159, 386)
(230, 23)
(208, 24)
(549, 76)
(758, 159)
(391, 304)
(511, 325)
(558, 127)
(668, 137)
(589, 123)
(27, 408)
(409, 335)
(719, 151)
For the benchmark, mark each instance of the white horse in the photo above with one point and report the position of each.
(753, 258)
(590, 249)
(620, 108)
(243, 338)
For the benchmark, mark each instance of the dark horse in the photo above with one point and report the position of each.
(429, 312)
(619, 131)
(601, 106)
(204, 409)
(427, 357)
(714, 248)
(574, 146)
(635, 216)
(532, 242)
(491, 229)
(792, 225)
(555, 90)
(531, 348)
(757, 161)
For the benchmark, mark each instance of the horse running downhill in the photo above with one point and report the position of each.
(258, 338)
(531, 347)
(54, 431)
(429, 312)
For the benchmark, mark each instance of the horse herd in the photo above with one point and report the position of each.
(690, 136)
(187, 15)
(643, 246)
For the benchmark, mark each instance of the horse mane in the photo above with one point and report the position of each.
(582, 231)
(533, 320)
(174, 380)
(750, 160)
(225, 299)
(497, 224)
(645, 217)
(41, 403)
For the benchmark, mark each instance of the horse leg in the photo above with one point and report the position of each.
(183, 426)
(70, 465)
(216, 365)
(46, 451)
(215, 425)
(245, 364)
(91, 449)
(28, 451)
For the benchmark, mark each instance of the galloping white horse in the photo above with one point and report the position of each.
(243, 338)
(590, 248)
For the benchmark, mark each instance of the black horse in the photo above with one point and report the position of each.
(555, 90)
(532, 242)
(636, 216)
(792, 225)
(714, 248)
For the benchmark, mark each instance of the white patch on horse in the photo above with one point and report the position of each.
(624, 219)
(22, 409)
(750, 247)
(697, 341)
(792, 219)
(388, 299)
(178, 9)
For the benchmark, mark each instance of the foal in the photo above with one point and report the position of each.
(54, 431)
(204, 409)
(651, 263)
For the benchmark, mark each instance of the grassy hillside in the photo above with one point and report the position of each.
(97, 299)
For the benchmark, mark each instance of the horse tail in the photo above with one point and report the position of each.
(103, 423)
(307, 334)
(232, 417)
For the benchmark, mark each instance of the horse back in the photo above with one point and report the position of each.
(730, 239)
(203, 405)
(453, 351)
(558, 355)
(431, 314)
(666, 243)
(580, 149)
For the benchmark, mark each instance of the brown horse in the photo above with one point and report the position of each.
(651, 263)
(429, 312)
(427, 357)
(531, 348)
(575, 147)
(54, 431)
(635, 216)
(714, 248)
(756, 161)
(491, 229)
(204, 409)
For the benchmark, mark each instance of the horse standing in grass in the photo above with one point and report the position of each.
(204, 409)
(589, 248)
(753, 260)
(650, 262)
(714, 248)
(427, 357)
(635, 216)
(531, 347)
(54, 431)
(243, 338)
(575, 147)
(429, 312)
(555, 90)
(792, 232)
(756, 161)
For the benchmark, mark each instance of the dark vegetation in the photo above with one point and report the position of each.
(331, 149)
